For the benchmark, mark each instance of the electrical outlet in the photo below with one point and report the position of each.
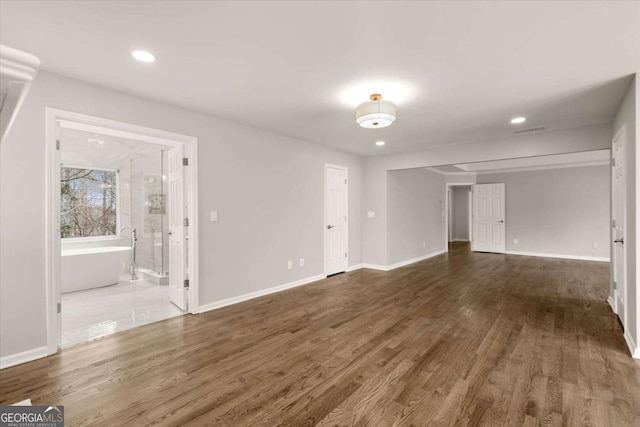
(424, 245)
(595, 245)
(515, 241)
(289, 264)
(301, 262)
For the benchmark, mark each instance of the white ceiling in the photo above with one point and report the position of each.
(585, 158)
(80, 148)
(457, 70)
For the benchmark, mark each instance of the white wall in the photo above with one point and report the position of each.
(374, 230)
(267, 188)
(628, 115)
(560, 211)
(416, 204)
(460, 195)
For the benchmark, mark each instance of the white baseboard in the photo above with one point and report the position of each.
(23, 357)
(413, 260)
(458, 240)
(374, 267)
(579, 257)
(402, 263)
(257, 294)
(635, 350)
(354, 267)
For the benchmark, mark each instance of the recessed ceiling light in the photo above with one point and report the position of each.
(379, 143)
(518, 120)
(143, 56)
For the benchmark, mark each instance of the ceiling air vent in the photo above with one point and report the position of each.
(530, 130)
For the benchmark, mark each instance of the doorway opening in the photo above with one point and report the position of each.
(122, 227)
(458, 216)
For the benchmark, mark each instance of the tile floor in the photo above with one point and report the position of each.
(94, 313)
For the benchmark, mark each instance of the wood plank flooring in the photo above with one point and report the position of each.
(459, 339)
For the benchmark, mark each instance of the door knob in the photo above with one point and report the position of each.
(619, 241)
(329, 227)
(501, 221)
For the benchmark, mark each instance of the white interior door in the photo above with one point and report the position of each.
(489, 218)
(176, 217)
(336, 219)
(619, 196)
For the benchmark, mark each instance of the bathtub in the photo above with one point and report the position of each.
(92, 267)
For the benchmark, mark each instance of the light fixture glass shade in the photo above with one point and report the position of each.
(143, 56)
(375, 114)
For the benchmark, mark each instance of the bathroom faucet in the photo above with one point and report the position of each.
(134, 239)
(133, 268)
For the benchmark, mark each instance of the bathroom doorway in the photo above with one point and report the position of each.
(122, 202)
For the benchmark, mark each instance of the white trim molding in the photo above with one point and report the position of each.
(354, 267)
(403, 263)
(633, 348)
(577, 257)
(545, 167)
(246, 297)
(612, 304)
(17, 69)
(414, 260)
(23, 357)
(461, 173)
(375, 267)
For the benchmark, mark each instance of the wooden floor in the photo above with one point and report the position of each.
(460, 339)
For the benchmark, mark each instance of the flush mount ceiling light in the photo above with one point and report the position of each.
(375, 113)
(518, 120)
(143, 56)
(379, 143)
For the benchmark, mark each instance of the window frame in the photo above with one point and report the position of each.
(95, 238)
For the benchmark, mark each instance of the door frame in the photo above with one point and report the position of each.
(52, 206)
(470, 214)
(450, 213)
(448, 186)
(614, 295)
(324, 214)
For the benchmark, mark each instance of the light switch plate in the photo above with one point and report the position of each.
(371, 214)
(214, 216)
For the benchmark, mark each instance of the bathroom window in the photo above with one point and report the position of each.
(89, 202)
